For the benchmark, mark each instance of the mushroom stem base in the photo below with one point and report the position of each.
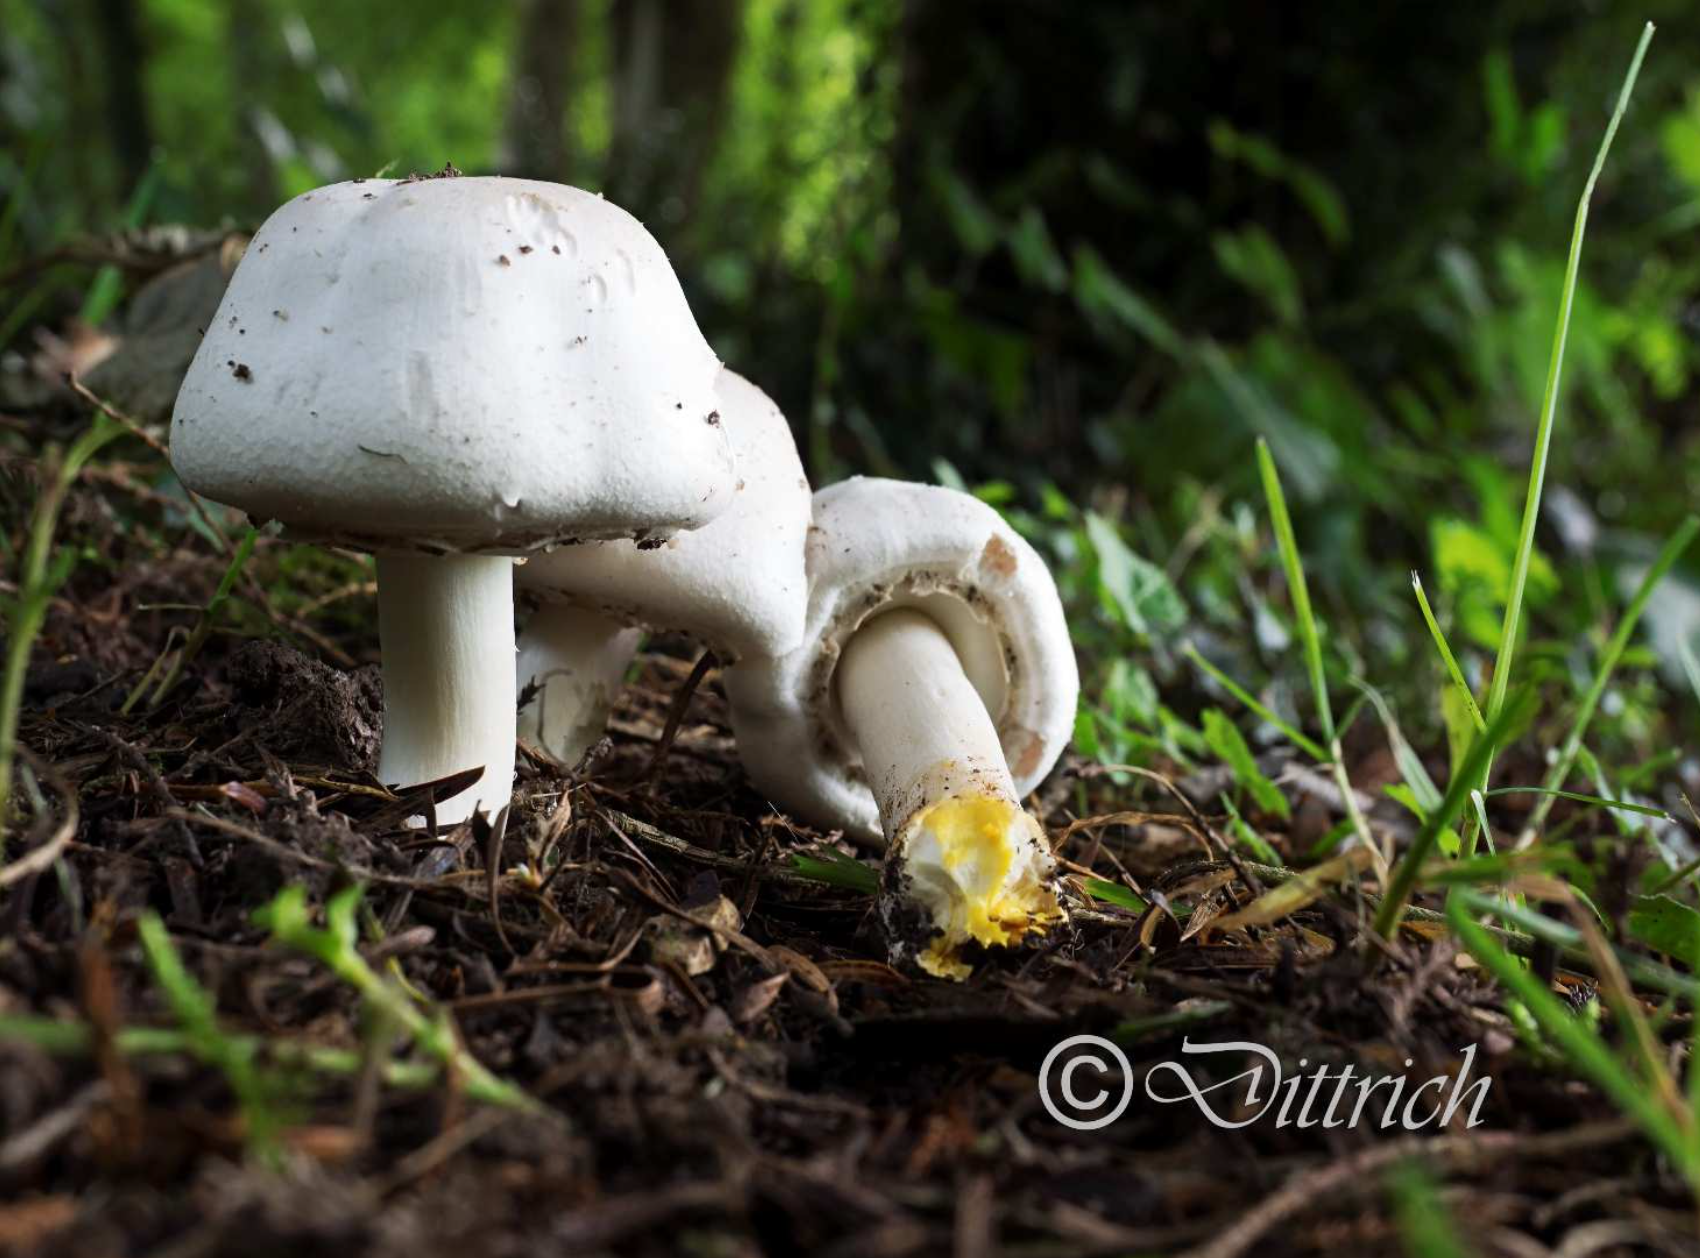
(446, 627)
(964, 863)
(572, 661)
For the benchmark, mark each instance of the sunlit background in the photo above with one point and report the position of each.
(1077, 256)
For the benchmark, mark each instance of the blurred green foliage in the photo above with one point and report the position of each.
(1079, 256)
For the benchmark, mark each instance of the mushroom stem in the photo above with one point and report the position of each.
(446, 627)
(959, 844)
(576, 659)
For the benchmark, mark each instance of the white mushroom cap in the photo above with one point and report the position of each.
(736, 584)
(455, 364)
(878, 544)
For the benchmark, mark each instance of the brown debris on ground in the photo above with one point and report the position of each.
(725, 1061)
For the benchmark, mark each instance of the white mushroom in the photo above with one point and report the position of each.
(934, 687)
(736, 584)
(449, 372)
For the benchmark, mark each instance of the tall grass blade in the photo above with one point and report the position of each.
(37, 581)
(1501, 683)
(1299, 592)
(1308, 745)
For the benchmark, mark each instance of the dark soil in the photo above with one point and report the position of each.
(795, 1095)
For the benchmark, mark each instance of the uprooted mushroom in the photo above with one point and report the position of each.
(934, 686)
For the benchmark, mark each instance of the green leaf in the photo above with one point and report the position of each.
(1130, 695)
(1600, 801)
(1230, 748)
(1476, 570)
(1107, 301)
(977, 228)
(1135, 587)
(1324, 203)
(837, 869)
(1426, 1226)
(1423, 789)
(1037, 260)
(1675, 545)
(1252, 258)
(1260, 847)
(1114, 893)
(1668, 926)
(1504, 109)
(286, 915)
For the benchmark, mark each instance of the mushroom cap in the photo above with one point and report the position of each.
(455, 364)
(878, 544)
(737, 583)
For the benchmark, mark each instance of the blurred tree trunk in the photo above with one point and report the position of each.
(672, 73)
(126, 101)
(265, 142)
(535, 144)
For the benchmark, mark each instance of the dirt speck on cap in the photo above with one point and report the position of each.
(503, 260)
(242, 372)
(447, 172)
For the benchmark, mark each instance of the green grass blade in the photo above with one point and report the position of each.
(1641, 970)
(1690, 666)
(1114, 893)
(1548, 795)
(1451, 661)
(209, 615)
(1309, 746)
(1549, 406)
(108, 284)
(335, 946)
(1299, 592)
(1297, 589)
(1135, 1029)
(1478, 804)
(1259, 846)
(62, 1038)
(1580, 1043)
(837, 870)
(1673, 549)
(195, 1010)
(37, 582)
(1458, 790)
(1426, 1226)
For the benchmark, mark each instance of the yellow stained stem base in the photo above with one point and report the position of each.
(981, 866)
